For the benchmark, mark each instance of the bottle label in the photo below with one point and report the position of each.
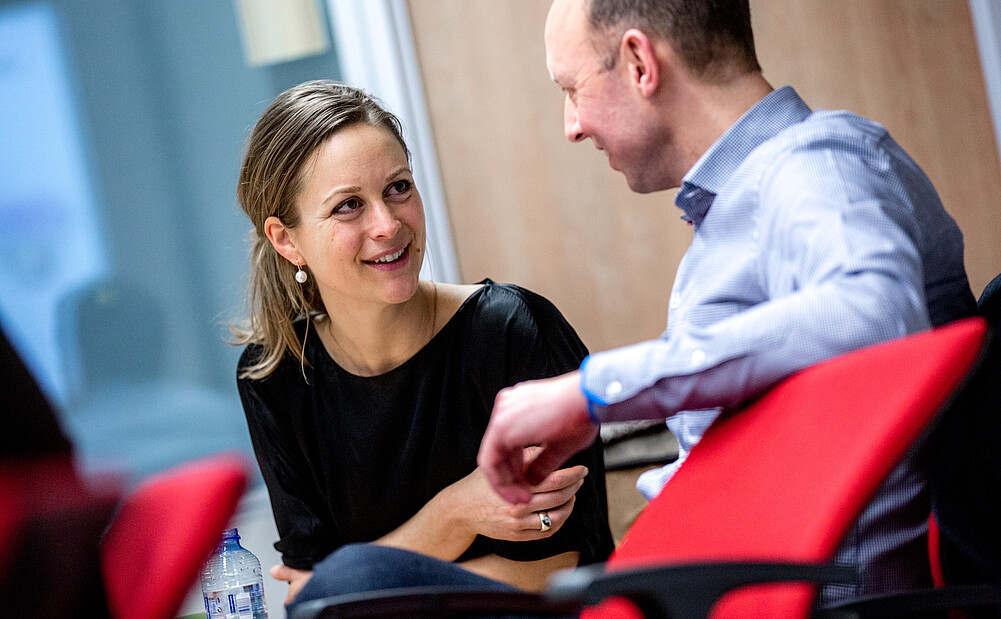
(236, 603)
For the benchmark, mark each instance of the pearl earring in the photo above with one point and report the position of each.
(300, 275)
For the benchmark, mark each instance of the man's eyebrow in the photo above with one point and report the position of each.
(552, 71)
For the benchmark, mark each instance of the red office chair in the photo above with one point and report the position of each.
(965, 483)
(50, 527)
(787, 480)
(166, 529)
(765, 496)
(54, 561)
(50, 521)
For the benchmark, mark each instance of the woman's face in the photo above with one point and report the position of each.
(362, 221)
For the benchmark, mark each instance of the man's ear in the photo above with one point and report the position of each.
(281, 239)
(640, 57)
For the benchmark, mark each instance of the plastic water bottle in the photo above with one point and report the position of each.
(232, 583)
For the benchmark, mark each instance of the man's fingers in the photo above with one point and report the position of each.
(529, 453)
(513, 493)
(558, 452)
(502, 465)
(516, 426)
(501, 476)
(545, 464)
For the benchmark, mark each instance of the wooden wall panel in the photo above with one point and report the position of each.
(529, 207)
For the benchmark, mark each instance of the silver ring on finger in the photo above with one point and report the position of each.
(546, 522)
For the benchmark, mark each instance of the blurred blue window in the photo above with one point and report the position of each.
(122, 249)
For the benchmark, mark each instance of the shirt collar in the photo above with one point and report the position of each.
(776, 111)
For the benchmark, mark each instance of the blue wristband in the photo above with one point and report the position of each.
(591, 398)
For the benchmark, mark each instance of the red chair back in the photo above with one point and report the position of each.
(166, 529)
(784, 478)
(51, 521)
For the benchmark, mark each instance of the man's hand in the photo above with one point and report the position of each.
(550, 413)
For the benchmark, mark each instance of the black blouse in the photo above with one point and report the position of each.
(348, 458)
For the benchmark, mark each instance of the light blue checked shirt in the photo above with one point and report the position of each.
(814, 234)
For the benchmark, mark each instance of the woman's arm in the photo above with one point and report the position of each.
(447, 525)
(305, 532)
(527, 575)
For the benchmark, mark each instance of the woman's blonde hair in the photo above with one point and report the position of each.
(271, 177)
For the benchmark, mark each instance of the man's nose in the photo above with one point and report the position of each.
(571, 124)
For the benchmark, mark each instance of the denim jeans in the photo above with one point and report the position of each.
(357, 568)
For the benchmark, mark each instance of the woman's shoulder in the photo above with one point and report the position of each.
(288, 366)
(450, 298)
(251, 354)
(512, 299)
(509, 310)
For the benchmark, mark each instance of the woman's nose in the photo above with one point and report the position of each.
(383, 221)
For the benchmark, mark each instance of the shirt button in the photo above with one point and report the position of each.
(698, 356)
(613, 389)
(673, 303)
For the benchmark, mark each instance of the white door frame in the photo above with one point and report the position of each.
(986, 15)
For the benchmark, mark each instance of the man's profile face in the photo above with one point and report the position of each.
(598, 103)
(575, 67)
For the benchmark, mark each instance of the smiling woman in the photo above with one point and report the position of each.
(367, 389)
(361, 233)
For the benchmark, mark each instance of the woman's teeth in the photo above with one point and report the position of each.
(391, 257)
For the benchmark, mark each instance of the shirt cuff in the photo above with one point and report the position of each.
(593, 401)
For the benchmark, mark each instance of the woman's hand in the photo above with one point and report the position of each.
(448, 523)
(482, 511)
(295, 579)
